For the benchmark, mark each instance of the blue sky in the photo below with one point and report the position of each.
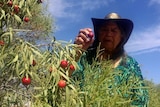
(144, 43)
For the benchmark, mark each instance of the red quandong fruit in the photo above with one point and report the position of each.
(90, 35)
(1, 4)
(10, 3)
(16, 8)
(26, 80)
(62, 83)
(1, 43)
(71, 67)
(50, 69)
(26, 19)
(34, 62)
(64, 63)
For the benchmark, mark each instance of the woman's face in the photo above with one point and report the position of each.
(110, 36)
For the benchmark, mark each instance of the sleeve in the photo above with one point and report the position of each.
(141, 96)
(133, 76)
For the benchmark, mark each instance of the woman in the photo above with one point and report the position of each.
(111, 34)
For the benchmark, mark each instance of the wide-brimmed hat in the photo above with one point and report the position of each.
(125, 24)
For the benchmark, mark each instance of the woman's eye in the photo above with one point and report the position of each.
(104, 30)
(114, 30)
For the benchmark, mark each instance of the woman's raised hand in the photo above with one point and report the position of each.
(84, 38)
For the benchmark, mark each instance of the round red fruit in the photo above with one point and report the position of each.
(72, 68)
(16, 8)
(64, 64)
(90, 35)
(26, 81)
(1, 4)
(62, 83)
(50, 69)
(26, 19)
(34, 63)
(10, 3)
(1, 42)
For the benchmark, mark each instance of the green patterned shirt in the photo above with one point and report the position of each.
(131, 74)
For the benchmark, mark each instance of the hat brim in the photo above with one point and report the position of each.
(125, 24)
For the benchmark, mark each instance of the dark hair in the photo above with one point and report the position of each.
(119, 50)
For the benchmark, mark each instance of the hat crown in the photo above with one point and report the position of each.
(112, 16)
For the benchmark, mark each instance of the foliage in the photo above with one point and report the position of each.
(12, 16)
(154, 93)
(16, 62)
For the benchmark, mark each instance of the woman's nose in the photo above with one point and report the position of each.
(109, 33)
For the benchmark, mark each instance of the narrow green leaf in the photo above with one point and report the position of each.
(31, 58)
(22, 72)
(38, 88)
(3, 56)
(36, 52)
(14, 60)
(21, 3)
(17, 18)
(28, 12)
(5, 34)
(17, 68)
(3, 14)
(11, 35)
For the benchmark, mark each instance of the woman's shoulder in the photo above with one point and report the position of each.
(129, 63)
(129, 60)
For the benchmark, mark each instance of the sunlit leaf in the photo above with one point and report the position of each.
(3, 14)
(14, 60)
(28, 12)
(17, 18)
(21, 3)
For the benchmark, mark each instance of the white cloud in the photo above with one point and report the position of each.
(154, 2)
(58, 8)
(69, 8)
(145, 41)
(72, 10)
(91, 5)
